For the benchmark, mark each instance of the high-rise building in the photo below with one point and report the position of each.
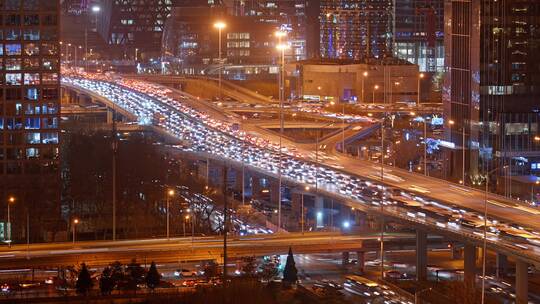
(419, 33)
(285, 15)
(29, 115)
(356, 29)
(492, 87)
(131, 26)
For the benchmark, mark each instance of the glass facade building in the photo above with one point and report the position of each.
(29, 105)
(492, 89)
(356, 29)
(127, 25)
(419, 33)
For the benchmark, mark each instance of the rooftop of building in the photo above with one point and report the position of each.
(369, 61)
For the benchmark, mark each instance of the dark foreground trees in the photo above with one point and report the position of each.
(290, 273)
(84, 280)
(152, 277)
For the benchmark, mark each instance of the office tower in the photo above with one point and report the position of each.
(492, 87)
(131, 26)
(285, 15)
(356, 29)
(419, 33)
(29, 116)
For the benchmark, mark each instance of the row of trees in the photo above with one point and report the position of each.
(116, 276)
(132, 275)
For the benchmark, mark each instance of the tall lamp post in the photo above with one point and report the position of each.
(170, 194)
(365, 74)
(484, 247)
(220, 25)
(10, 201)
(73, 227)
(375, 88)
(281, 47)
(420, 77)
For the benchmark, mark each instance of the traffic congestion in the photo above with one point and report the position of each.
(200, 133)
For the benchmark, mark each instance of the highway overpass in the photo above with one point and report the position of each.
(214, 139)
(99, 253)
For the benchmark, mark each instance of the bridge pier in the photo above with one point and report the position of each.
(345, 258)
(319, 211)
(469, 265)
(522, 282)
(455, 252)
(360, 260)
(274, 192)
(256, 187)
(502, 265)
(345, 216)
(421, 255)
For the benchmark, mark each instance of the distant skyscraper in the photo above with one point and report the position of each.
(356, 29)
(29, 114)
(419, 33)
(128, 25)
(492, 87)
(287, 15)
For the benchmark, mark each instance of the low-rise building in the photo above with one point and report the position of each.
(388, 80)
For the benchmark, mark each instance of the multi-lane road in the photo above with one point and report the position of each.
(441, 206)
(98, 253)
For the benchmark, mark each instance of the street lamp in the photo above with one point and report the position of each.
(10, 201)
(186, 218)
(485, 232)
(536, 183)
(365, 74)
(375, 88)
(75, 222)
(420, 77)
(281, 47)
(220, 25)
(170, 194)
(307, 189)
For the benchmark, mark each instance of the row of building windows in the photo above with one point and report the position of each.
(29, 123)
(32, 138)
(32, 168)
(16, 79)
(29, 34)
(16, 109)
(14, 64)
(29, 49)
(28, 5)
(29, 153)
(32, 94)
(29, 19)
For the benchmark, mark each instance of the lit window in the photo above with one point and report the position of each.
(31, 78)
(13, 78)
(13, 49)
(31, 49)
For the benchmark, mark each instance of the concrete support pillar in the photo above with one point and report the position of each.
(345, 258)
(360, 219)
(296, 202)
(360, 261)
(319, 211)
(215, 175)
(109, 117)
(455, 252)
(274, 192)
(522, 282)
(469, 265)
(421, 255)
(238, 180)
(345, 216)
(502, 265)
(255, 187)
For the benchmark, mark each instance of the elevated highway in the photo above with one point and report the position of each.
(430, 189)
(97, 253)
